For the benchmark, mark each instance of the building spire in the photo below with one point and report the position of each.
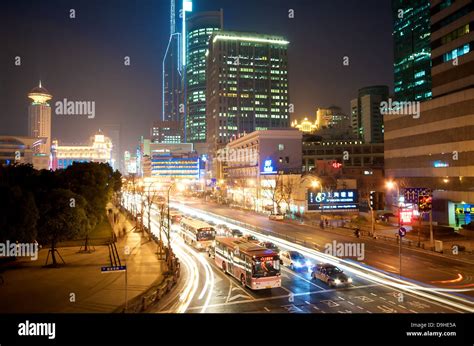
(40, 84)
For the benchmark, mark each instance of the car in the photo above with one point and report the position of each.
(386, 217)
(250, 238)
(222, 230)
(236, 233)
(331, 275)
(276, 217)
(269, 245)
(294, 260)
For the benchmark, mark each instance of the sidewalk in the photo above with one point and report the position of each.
(79, 285)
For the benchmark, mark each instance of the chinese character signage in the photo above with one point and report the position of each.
(333, 200)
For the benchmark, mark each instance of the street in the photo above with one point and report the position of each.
(205, 288)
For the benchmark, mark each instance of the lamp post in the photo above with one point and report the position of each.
(314, 184)
(391, 185)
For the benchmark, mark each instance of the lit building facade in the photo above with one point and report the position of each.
(169, 131)
(412, 61)
(199, 26)
(331, 117)
(305, 125)
(254, 164)
(22, 150)
(366, 117)
(247, 85)
(99, 150)
(436, 149)
(348, 153)
(39, 118)
(452, 46)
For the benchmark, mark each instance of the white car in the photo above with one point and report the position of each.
(295, 261)
(276, 217)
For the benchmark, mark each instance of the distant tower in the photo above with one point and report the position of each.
(39, 118)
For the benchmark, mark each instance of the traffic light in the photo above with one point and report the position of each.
(424, 203)
(372, 199)
(377, 200)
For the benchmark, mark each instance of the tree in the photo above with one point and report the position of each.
(19, 214)
(62, 217)
(274, 191)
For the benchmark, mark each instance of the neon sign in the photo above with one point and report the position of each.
(268, 167)
(440, 164)
(406, 215)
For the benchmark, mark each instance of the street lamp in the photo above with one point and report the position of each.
(390, 185)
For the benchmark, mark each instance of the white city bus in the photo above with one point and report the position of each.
(197, 233)
(255, 266)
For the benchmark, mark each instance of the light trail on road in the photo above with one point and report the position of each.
(365, 272)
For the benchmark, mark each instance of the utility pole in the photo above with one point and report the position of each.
(431, 229)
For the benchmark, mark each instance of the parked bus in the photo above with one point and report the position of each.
(255, 266)
(197, 233)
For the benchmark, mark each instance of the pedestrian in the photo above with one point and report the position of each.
(321, 224)
(327, 222)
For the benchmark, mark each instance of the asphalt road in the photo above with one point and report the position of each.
(418, 265)
(205, 288)
(298, 294)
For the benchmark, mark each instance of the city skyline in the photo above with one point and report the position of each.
(111, 84)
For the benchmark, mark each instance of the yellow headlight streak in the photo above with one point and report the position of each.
(431, 293)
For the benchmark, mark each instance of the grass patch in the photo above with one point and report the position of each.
(102, 230)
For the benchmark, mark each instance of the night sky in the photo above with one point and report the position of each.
(83, 58)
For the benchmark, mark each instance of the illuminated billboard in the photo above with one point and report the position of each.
(343, 200)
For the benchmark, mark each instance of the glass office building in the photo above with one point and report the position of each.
(412, 52)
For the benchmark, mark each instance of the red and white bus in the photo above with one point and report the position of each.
(255, 267)
(199, 234)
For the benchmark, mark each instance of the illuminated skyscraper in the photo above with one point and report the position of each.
(412, 63)
(247, 84)
(39, 118)
(200, 26)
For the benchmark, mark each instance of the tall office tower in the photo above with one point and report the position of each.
(452, 45)
(39, 118)
(247, 84)
(172, 77)
(366, 118)
(411, 38)
(435, 150)
(200, 26)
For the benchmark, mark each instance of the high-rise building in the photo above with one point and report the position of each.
(166, 132)
(452, 45)
(172, 68)
(434, 150)
(411, 37)
(199, 26)
(366, 117)
(39, 118)
(331, 117)
(247, 85)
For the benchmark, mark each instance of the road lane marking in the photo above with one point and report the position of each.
(267, 309)
(350, 303)
(373, 294)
